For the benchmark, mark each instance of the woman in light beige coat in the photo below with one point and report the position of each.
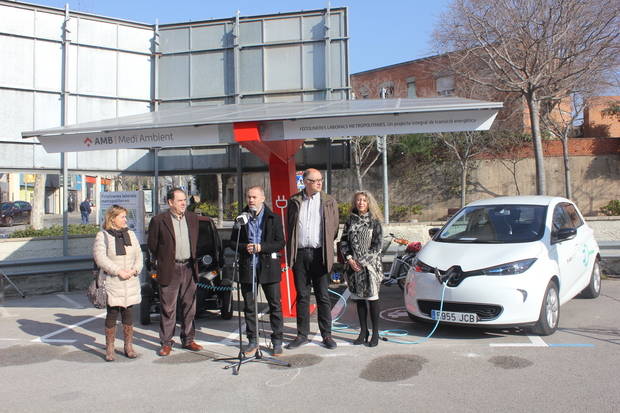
(117, 252)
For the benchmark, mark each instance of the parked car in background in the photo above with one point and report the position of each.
(509, 261)
(17, 212)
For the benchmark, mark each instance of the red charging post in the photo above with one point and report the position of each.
(280, 156)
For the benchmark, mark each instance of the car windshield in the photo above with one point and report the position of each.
(496, 224)
(5, 206)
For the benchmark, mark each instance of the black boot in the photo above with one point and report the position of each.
(374, 319)
(250, 349)
(362, 314)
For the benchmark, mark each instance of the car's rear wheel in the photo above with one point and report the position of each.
(549, 311)
(593, 289)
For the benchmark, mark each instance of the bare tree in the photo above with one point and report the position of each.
(364, 154)
(560, 122)
(533, 48)
(464, 147)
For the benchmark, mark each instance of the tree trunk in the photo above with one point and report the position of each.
(534, 107)
(38, 202)
(463, 184)
(356, 165)
(220, 201)
(514, 177)
(567, 182)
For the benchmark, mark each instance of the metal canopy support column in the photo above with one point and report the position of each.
(386, 196)
(63, 120)
(155, 181)
(329, 165)
(240, 194)
(236, 59)
(328, 69)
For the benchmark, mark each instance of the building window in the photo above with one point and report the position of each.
(411, 92)
(387, 88)
(445, 85)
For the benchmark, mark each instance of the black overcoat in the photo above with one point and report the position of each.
(272, 241)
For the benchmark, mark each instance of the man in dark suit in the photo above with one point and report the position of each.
(172, 240)
(259, 242)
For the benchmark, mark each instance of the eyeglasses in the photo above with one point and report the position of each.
(314, 181)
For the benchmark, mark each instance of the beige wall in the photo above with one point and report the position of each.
(596, 181)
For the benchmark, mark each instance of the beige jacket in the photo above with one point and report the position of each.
(121, 293)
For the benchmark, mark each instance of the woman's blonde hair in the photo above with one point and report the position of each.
(110, 214)
(373, 206)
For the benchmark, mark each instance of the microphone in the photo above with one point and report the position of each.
(243, 219)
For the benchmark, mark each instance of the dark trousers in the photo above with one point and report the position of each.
(112, 316)
(272, 294)
(182, 287)
(84, 217)
(309, 270)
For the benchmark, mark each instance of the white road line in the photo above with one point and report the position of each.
(54, 340)
(70, 301)
(62, 330)
(535, 341)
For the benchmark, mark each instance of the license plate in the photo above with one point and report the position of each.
(453, 317)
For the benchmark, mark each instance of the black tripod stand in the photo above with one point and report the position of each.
(258, 355)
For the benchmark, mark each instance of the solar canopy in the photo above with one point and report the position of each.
(213, 125)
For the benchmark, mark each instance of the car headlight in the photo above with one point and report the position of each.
(419, 266)
(510, 268)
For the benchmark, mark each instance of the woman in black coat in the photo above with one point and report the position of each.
(260, 240)
(360, 244)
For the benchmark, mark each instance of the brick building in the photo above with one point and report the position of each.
(599, 124)
(430, 77)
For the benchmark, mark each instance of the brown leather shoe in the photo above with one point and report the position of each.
(193, 346)
(164, 350)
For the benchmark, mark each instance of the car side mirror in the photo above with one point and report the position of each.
(433, 231)
(565, 234)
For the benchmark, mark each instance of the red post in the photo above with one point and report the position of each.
(282, 178)
(280, 156)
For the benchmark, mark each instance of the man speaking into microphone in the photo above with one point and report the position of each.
(259, 242)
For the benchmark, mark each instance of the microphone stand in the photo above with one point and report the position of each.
(258, 355)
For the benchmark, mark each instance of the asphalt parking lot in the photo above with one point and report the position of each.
(51, 359)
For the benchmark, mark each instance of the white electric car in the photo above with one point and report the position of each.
(508, 261)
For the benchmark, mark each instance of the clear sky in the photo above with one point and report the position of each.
(382, 32)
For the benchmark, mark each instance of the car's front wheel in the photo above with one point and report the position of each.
(549, 311)
(593, 289)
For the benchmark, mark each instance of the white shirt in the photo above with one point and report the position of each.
(309, 224)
